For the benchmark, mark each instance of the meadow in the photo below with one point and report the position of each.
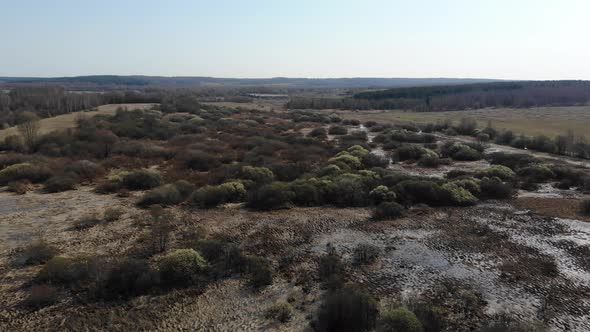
(550, 121)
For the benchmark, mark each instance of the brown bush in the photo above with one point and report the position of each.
(41, 296)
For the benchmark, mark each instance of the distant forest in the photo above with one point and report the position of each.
(114, 82)
(459, 97)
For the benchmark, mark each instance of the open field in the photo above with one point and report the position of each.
(66, 121)
(550, 121)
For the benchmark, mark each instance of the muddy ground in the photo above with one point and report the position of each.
(493, 258)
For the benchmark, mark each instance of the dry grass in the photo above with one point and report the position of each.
(66, 121)
(568, 208)
(550, 121)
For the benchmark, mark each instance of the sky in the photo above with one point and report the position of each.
(505, 39)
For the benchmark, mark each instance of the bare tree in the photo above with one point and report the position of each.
(29, 129)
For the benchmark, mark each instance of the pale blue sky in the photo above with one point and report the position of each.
(517, 39)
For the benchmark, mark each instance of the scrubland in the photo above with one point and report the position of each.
(217, 218)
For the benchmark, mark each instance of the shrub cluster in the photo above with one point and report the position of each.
(212, 196)
(135, 180)
(351, 308)
(24, 172)
(168, 194)
(38, 252)
(61, 183)
(182, 267)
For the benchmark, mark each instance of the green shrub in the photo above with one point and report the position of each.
(182, 267)
(142, 150)
(420, 191)
(126, 278)
(430, 316)
(388, 210)
(84, 169)
(41, 296)
(61, 183)
(259, 175)
(345, 160)
(320, 133)
(163, 195)
(351, 309)
(537, 173)
(224, 258)
(495, 189)
(349, 190)
(112, 214)
(412, 152)
(429, 161)
(399, 320)
(357, 150)
(308, 192)
(512, 160)
(365, 253)
(168, 194)
(276, 195)
(24, 171)
(200, 161)
(37, 253)
(212, 196)
(502, 172)
(185, 188)
(382, 194)
(586, 207)
(19, 187)
(460, 151)
(331, 268)
(529, 185)
(468, 184)
(14, 158)
(280, 311)
(371, 160)
(337, 130)
(86, 222)
(564, 184)
(62, 270)
(141, 180)
(259, 272)
(456, 195)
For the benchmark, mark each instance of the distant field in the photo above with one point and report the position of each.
(262, 105)
(550, 121)
(66, 121)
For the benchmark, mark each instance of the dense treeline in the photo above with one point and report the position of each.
(459, 97)
(48, 101)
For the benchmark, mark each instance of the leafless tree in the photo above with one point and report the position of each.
(29, 129)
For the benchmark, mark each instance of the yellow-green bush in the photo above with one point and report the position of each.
(182, 267)
(24, 171)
